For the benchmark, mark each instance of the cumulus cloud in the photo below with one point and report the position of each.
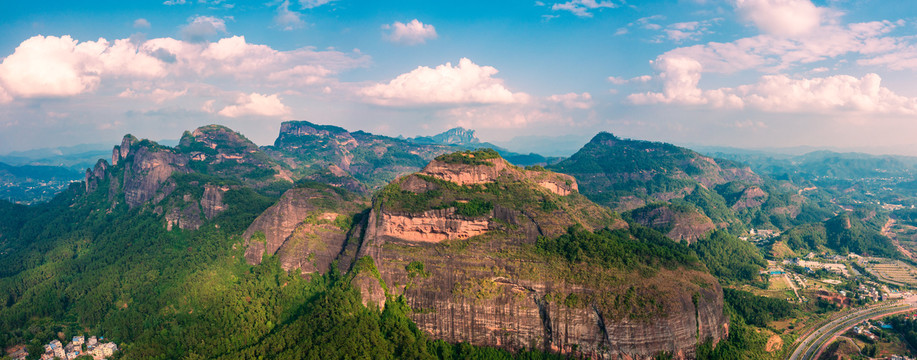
(467, 83)
(814, 36)
(257, 105)
(777, 93)
(573, 100)
(287, 19)
(141, 24)
(583, 8)
(412, 33)
(781, 17)
(61, 66)
(201, 28)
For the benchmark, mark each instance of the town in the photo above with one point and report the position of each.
(78, 347)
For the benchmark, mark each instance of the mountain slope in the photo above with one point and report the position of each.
(629, 174)
(459, 241)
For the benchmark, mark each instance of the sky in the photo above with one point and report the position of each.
(537, 75)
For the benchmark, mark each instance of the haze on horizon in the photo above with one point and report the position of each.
(739, 73)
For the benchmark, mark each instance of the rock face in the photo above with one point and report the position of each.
(302, 229)
(492, 169)
(212, 200)
(148, 171)
(677, 222)
(478, 283)
(464, 174)
(433, 226)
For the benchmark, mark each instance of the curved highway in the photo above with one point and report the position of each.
(812, 344)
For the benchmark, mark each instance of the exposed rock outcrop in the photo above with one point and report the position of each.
(148, 171)
(464, 174)
(303, 229)
(433, 226)
(212, 200)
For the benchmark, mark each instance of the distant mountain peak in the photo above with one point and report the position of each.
(457, 136)
(454, 136)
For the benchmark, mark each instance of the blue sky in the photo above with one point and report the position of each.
(745, 73)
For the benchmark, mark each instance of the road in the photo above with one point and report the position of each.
(886, 231)
(792, 286)
(812, 344)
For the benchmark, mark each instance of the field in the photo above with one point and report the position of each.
(893, 272)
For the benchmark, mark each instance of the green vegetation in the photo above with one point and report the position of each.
(746, 341)
(728, 258)
(473, 207)
(629, 249)
(757, 310)
(469, 157)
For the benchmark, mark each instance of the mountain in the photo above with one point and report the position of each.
(454, 136)
(357, 160)
(629, 174)
(464, 139)
(849, 232)
(216, 248)
(491, 254)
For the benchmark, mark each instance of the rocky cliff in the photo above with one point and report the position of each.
(307, 229)
(456, 240)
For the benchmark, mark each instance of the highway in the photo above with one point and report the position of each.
(812, 344)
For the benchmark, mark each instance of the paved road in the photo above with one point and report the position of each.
(811, 345)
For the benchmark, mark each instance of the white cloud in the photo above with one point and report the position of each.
(61, 66)
(309, 4)
(201, 28)
(286, 19)
(174, 2)
(257, 105)
(781, 17)
(637, 79)
(777, 93)
(48, 66)
(466, 83)
(573, 100)
(690, 30)
(582, 8)
(412, 33)
(814, 36)
(141, 24)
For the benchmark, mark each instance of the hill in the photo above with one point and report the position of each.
(629, 174)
